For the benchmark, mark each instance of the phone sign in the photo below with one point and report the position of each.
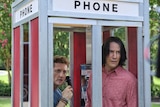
(26, 11)
(109, 7)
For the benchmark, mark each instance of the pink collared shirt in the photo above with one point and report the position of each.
(119, 89)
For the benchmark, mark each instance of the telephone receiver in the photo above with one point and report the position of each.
(68, 80)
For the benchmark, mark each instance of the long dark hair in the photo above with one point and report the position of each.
(105, 50)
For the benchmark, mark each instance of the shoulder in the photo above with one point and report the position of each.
(126, 74)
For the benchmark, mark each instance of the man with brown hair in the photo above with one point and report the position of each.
(60, 70)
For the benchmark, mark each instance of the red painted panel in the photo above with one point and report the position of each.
(79, 58)
(16, 64)
(132, 50)
(34, 64)
(106, 34)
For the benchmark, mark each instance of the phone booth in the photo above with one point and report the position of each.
(89, 23)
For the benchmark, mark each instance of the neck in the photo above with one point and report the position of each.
(108, 70)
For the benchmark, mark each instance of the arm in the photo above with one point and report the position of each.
(61, 104)
(66, 96)
(132, 93)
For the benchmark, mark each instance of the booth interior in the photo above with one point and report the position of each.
(79, 37)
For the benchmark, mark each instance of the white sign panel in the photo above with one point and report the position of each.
(26, 11)
(108, 7)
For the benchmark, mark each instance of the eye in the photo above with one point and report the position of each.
(118, 52)
(57, 71)
(111, 51)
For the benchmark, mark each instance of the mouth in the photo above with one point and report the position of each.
(114, 61)
(60, 80)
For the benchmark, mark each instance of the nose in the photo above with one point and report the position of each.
(115, 55)
(61, 73)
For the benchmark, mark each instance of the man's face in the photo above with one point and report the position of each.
(112, 60)
(59, 74)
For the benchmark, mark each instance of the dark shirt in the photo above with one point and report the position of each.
(57, 96)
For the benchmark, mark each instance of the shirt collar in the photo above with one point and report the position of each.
(116, 71)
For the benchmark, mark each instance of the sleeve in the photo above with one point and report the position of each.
(132, 93)
(89, 93)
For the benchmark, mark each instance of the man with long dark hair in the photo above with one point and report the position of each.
(119, 86)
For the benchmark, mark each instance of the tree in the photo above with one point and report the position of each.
(154, 30)
(5, 35)
(61, 43)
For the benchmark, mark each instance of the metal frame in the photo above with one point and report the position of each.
(29, 46)
(21, 65)
(50, 57)
(146, 70)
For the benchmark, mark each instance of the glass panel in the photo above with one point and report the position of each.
(25, 33)
(63, 47)
(25, 64)
(83, 68)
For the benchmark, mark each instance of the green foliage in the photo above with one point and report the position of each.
(120, 32)
(5, 89)
(63, 86)
(155, 87)
(154, 18)
(154, 31)
(155, 90)
(5, 34)
(61, 43)
(1, 65)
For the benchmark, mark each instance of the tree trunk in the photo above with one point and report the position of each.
(7, 65)
(9, 77)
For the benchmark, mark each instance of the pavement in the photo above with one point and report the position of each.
(3, 72)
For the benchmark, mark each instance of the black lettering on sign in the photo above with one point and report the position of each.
(96, 6)
(106, 7)
(115, 7)
(86, 5)
(76, 4)
(26, 11)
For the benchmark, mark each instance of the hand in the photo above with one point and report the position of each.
(67, 92)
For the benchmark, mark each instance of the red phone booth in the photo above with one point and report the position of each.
(89, 23)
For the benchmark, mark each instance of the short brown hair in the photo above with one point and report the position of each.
(61, 59)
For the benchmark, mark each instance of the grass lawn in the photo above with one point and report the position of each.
(156, 105)
(5, 102)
